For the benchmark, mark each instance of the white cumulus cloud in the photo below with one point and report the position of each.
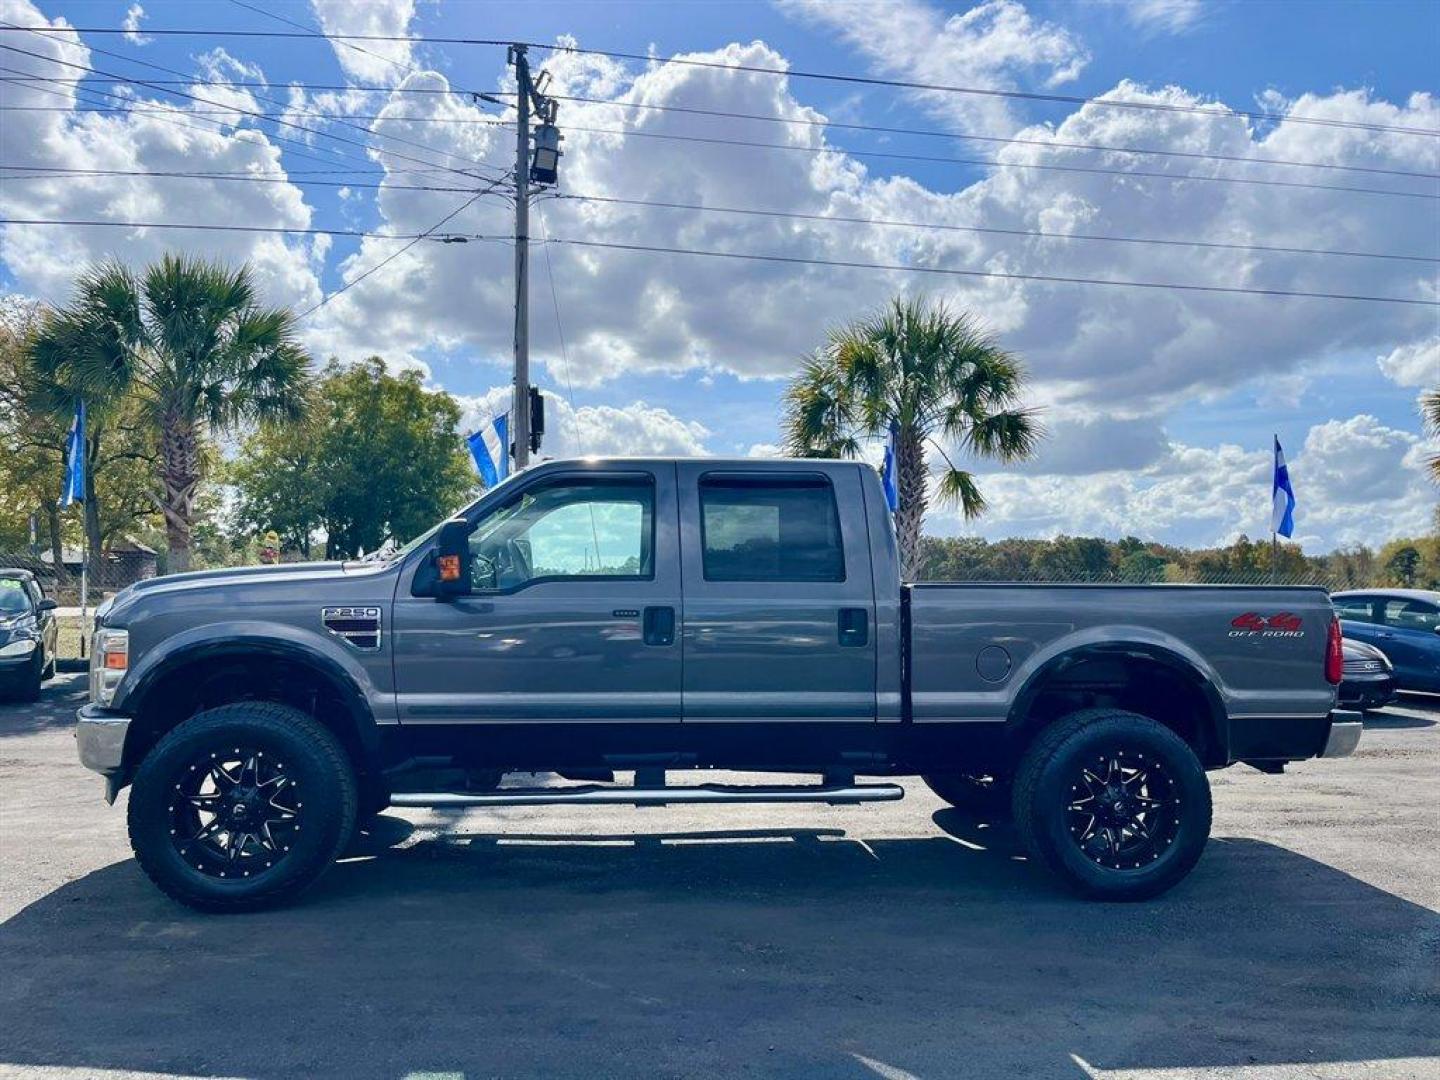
(131, 25)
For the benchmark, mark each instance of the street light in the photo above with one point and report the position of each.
(545, 164)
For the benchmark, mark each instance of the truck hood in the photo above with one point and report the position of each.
(235, 576)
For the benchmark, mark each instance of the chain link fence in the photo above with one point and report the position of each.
(116, 570)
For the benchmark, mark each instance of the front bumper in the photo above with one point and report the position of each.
(1345, 730)
(17, 668)
(100, 738)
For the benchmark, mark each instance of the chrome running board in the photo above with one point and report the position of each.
(595, 795)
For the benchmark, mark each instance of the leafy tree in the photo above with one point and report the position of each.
(939, 379)
(190, 342)
(1403, 566)
(1141, 565)
(378, 457)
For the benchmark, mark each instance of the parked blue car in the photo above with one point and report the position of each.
(1404, 624)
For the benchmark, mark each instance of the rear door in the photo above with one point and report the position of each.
(778, 619)
(1409, 634)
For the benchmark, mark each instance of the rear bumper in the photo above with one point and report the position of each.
(1294, 738)
(1345, 730)
(100, 741)
(1369, 692)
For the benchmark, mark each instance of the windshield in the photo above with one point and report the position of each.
(14, 600)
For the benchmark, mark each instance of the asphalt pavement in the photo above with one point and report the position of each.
(893, 940)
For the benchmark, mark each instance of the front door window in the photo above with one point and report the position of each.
(568, 530)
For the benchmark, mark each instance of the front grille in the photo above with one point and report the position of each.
(1363, 667)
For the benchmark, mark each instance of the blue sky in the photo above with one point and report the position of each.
(1160, 407)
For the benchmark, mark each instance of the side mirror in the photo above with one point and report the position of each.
(47, 604)
(452, 559)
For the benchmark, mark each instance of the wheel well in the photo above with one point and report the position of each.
(1163, 688)
(205, 682)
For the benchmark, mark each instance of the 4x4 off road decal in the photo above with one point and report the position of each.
(358, 626)
(1281, 624)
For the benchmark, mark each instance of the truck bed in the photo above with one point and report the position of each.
(976, 649)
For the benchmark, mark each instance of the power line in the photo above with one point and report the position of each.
(433, 234)
(242, 111)
(995, 230)
(221, 83)
(50, 172)
(955, 272)
(393, 255)
(838, 126)
(1022, 95)
(311, 31)
(935, 134)
(173, 115)
(54, 172)
(991, 163)
(792, 73)
(940, 159)
(560, 330)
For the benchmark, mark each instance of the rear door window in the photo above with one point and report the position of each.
(770, 529)
(1411, 615)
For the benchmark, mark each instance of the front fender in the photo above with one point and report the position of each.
(326, 654)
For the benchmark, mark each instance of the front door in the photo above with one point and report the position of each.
(573, 612)
(779, 615)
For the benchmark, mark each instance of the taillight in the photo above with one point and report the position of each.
(1334, 653)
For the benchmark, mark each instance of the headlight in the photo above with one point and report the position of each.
(109, 660)
(23, 647)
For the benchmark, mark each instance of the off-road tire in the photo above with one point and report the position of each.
(987, 797)
(321, 770)
(1043, 793)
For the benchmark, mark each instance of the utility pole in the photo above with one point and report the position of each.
(520, 407)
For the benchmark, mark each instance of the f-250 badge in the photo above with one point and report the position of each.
(1251, 624)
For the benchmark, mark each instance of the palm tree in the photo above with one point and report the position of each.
(1430, 411)
(938, 379)
(190, 341)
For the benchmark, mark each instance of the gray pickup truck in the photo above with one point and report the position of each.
(663, 616)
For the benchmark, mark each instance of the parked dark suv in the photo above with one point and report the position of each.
(1404, 624)
(28, 632)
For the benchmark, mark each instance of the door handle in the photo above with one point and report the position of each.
(854, 627)
(659, 625)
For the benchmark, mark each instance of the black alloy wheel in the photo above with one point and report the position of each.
(235, 814)
(1123, 811)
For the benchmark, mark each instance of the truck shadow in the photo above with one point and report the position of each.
(780, 952)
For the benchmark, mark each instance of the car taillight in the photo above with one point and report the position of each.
(1334, 654)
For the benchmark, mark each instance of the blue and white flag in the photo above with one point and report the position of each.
(74, 489)
(1282, 505)
(490, 447)
(888, 479)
